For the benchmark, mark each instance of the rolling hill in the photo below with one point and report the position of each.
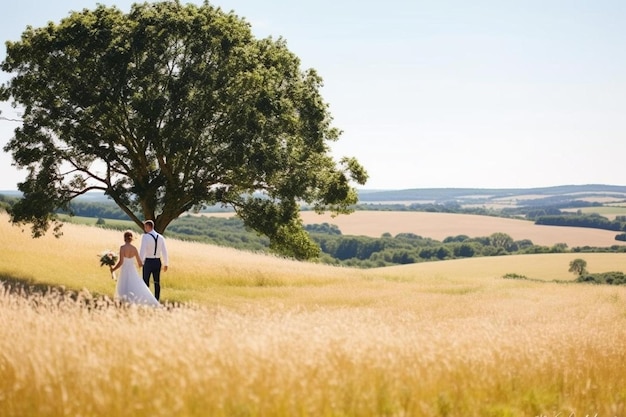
(441, 225)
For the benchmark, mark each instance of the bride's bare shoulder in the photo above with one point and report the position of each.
(128, 251)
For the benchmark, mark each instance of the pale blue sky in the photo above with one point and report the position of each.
(442, 93)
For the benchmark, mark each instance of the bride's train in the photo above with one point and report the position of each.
(131, 288)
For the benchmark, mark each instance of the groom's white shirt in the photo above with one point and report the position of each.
(147, 247)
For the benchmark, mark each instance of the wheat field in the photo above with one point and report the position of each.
(439, 226)
(257, 335)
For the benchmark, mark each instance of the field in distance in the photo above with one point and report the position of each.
(72, 261)
(438, 226)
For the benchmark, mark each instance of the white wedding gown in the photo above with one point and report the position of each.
(131, 288)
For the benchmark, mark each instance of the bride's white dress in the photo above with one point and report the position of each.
(130, 286)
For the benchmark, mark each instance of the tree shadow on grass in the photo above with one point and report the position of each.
(27, 287)
(36, 292)
(39, 293)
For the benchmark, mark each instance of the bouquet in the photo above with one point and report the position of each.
(108, 258)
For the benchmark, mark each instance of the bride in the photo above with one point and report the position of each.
(130, 287)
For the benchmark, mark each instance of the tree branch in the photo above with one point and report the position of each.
(8, 119)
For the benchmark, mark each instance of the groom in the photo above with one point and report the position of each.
(152, 250)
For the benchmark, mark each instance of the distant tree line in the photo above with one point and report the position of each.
(609, 278)
(579, 267)
(529, 209)
(547, 214)
(442, 207)
(230, 232)
(408, 248)
(6, 202)
(364, 251)
(356, 251)
(592, 220)
(96, 210)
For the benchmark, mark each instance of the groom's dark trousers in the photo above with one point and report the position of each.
(152, 266)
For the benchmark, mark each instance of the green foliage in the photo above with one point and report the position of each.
(582, 220)
(338, 249)
(578, 266)
(514, 276)
(229, 232)
(501, 241)
(608, 278)
(6, 202)
(323, 228)
(169, 108)
(114, 224)
(331, 245)
(108, 210)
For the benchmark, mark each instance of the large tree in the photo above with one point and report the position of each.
(168, 108)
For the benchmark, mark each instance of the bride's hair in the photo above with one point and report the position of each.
(128, 236)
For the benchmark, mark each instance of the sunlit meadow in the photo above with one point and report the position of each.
(245, 334)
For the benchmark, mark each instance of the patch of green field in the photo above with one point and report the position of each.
(104, 223)
(609, 212)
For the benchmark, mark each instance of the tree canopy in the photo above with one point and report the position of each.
(578, 266)
(167, 108)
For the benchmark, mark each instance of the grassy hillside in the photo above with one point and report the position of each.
(441, 225)
(72, 261)
(264, 336)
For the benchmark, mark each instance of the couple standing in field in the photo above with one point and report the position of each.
(151, 257)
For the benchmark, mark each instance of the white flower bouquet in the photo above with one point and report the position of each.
(108, 258)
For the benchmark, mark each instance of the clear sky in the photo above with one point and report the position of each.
(441, 93)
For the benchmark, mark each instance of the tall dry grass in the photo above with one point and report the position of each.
(264, 336)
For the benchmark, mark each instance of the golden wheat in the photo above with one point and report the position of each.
(265, 336)
(499, 350)
(441, 225)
